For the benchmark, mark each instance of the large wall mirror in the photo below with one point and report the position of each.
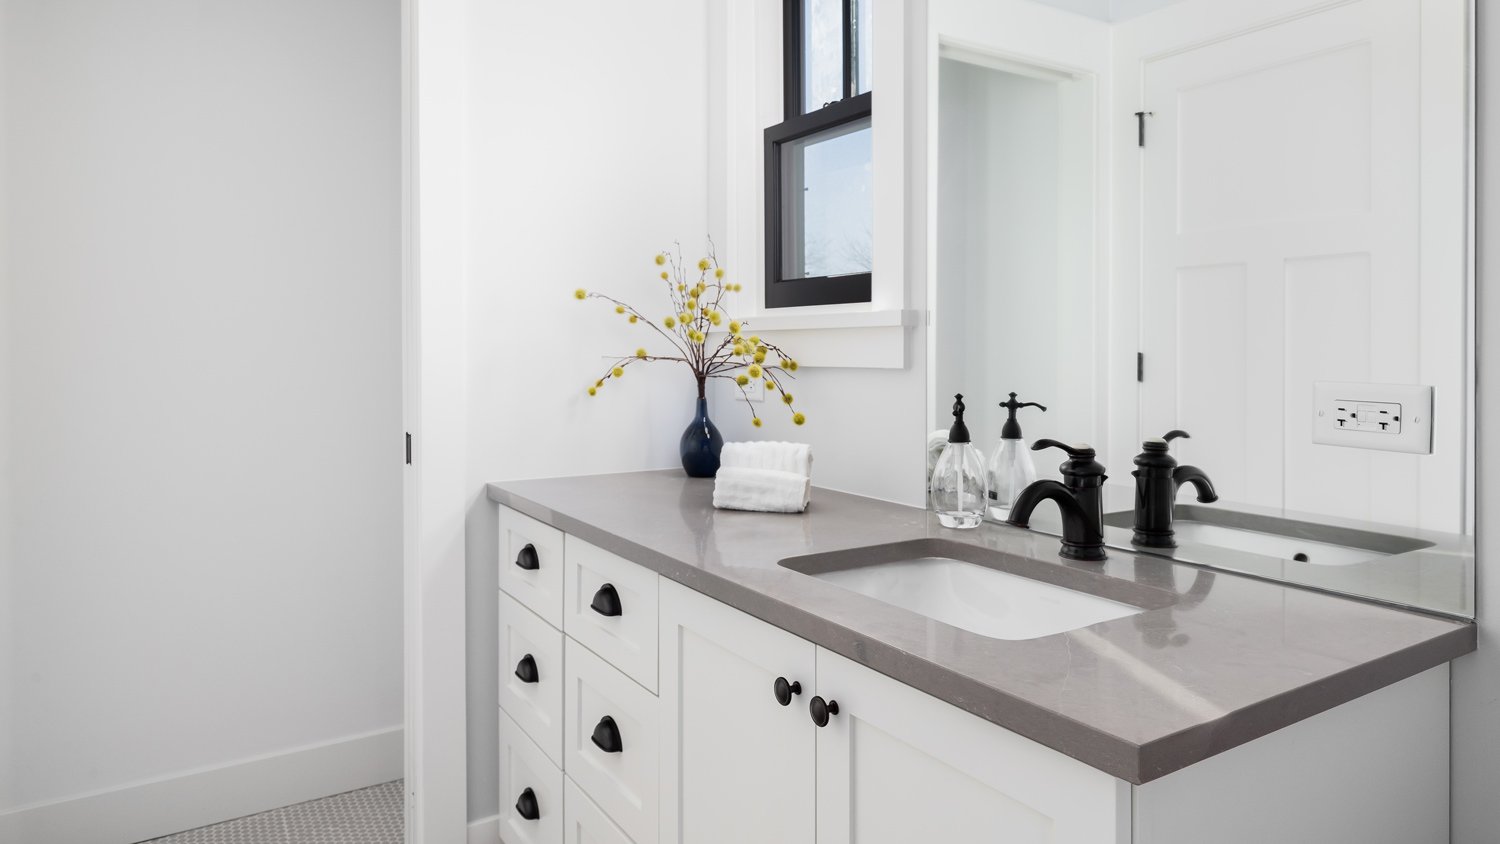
(1245, 221)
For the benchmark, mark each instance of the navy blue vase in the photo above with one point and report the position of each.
(701, 444)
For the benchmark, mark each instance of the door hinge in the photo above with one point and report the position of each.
(408, 448)
(1140, 127)
(1140, 367)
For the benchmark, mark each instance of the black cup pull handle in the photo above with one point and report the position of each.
(821, 709)
(606, 601)
(527, 806)
(785, 690)
(527, 558)
(607, 736)
(526, 670)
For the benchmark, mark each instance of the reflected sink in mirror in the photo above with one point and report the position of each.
(976, 593)
(1286, 539)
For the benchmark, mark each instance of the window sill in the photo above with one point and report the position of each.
(849, 340)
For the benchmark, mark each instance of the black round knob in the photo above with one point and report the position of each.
(821, 709)
(526, 670)
(527, 558)
(607, 601)
(606, 736)
(527, 806)
(785, 690)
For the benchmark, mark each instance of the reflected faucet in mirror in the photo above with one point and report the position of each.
(1078, 498)
(1157, 479)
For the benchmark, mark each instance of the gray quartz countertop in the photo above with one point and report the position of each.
(1218, 660)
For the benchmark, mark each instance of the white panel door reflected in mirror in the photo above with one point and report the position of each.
(1186, 215)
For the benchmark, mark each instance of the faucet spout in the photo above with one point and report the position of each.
(1193, 475)
(1083, 532)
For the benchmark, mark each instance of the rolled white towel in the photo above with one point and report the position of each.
(763, 490)
(780, 456)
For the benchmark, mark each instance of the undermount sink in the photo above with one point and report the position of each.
(973, 596)
(1305, 542)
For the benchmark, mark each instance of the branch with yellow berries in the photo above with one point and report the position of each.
(698, 309)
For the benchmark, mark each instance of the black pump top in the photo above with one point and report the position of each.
(1012, 429)
(959, 433)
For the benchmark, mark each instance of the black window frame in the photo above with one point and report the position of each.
(814, 290)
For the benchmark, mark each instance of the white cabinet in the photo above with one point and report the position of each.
(739, 766)
(531, 564)
(609, 606)
(531, 675)
(896, 765)
(612, 741)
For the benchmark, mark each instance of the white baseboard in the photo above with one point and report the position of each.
(485, 831)
(159, 807)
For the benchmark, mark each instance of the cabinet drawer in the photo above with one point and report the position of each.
(528, 780)
(585, 822)
(610, 606)
(531, 564)
(531, 675)
(603, 706)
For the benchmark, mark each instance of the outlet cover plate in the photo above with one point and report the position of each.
(1383, 417)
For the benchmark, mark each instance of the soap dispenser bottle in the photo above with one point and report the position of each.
(960, 490)
(1011, 469)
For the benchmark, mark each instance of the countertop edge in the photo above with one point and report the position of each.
(1137, 764)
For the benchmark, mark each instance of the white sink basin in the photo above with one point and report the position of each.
(1273, 545)
(978, 598)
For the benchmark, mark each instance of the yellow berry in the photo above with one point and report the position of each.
(664, 275)
(719, 273)
(755, 421)
(619, 309)
(580, 293)
(640, 353)
(786, 397)
(770, 385)
(792, 365)
(620, 370)
(738, 287)
(633, 318)
(741, 380)
(798, 419)
(734, 328)
(692, 303)
(739, 349)
(660, 259)
(681, 288)
(714, 317)
(593, 391)
(599, 383)
(703, 263)
(670, 322)
(754, 371)
(760, 355)
(685, 317)
(754, 340)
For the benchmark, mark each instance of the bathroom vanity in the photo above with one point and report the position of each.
(674, 673)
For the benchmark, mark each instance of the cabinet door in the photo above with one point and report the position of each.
(740, 766)
(896, 765)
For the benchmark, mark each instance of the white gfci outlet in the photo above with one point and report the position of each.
(1384, 417)
(755, 390)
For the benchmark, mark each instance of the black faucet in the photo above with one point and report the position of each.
(1157, 478)
(1078, 498)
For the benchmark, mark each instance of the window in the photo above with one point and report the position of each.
(819, 202)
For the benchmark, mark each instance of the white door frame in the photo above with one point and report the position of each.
(434, 407)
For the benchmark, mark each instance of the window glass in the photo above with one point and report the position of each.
(827, 210)
(862, 64)
(822, 53)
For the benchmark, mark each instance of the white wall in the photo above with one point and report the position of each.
(204, 396)
(584, 164)
(1476, 677)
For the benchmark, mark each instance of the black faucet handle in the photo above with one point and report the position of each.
(1077, 451)
(1174, 434)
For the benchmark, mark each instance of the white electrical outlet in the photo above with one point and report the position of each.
(755, 390)
(1384, 417)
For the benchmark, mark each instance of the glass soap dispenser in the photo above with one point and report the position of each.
(960, 490)
(1011, 469)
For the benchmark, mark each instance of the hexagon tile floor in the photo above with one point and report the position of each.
(368, 816)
